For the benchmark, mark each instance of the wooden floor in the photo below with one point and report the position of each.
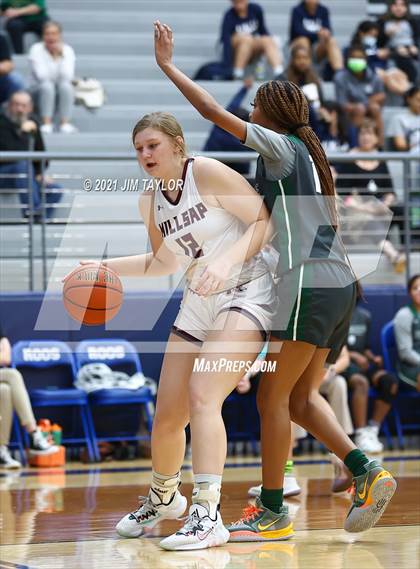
(65, 518)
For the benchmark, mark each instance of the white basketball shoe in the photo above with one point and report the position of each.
(199, 531)
(150, 513)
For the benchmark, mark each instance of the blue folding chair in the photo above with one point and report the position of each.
(119, 355)
(389, 352)
(49, 371)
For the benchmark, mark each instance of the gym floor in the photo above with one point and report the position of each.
(65, 517)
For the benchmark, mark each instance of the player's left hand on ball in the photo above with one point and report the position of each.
(213, 276)
(163, 43)
(91, 262)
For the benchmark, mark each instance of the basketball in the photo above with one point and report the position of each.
(92, 295)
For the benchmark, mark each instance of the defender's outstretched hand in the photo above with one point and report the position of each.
(163, 44)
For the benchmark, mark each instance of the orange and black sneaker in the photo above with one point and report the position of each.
(372, 491)
(261, 524)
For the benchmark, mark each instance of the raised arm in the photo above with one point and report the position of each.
(205, 104)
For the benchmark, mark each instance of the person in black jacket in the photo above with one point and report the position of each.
(244, 35)
(20, 132)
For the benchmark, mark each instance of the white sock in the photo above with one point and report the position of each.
(238, 73)
(207, 492)
(163, 487)
(278, 70)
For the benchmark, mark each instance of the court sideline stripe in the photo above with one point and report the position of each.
(98, 470)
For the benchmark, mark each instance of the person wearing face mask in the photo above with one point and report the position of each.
(378, 58)
(399, 33)
(360, 93)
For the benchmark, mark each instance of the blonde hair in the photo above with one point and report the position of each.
(164, 122)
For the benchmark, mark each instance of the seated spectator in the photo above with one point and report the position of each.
(20, 132)
(365, 369)
(407, 336)
(245, 36)
(14, 397)
(324, 116)
(23, 16)
(360, 92)
(52, 71)
(371, 178)
(310, 27)
(404, 128)
(10, 81)
(400, 35)
(378, 58)
(220, 140)
(334, 388)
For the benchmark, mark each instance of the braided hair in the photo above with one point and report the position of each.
(283, 103)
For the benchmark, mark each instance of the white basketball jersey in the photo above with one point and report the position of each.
(199, 233)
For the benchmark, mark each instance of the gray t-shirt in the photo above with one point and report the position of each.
(406, 124)
(277, 150)
(350, 89)
(403, 35)
(403, 322)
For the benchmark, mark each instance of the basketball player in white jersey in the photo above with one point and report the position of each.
(214, 225)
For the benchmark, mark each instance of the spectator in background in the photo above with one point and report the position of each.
(360, 93)
(378, 58)
(400, 35)
(404, 128)
(365, 369)
(14, 397)
(244, 36)
(52, 71)
(20, 132)
(23, 16)
(407, 335)
(310, 27)
(334, 388)
(10, 81)
(220, 140)
(325, 117)
(361, 179)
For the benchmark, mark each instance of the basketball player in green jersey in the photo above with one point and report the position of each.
(316, 293)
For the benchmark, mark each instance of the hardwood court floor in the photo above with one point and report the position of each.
(65, 518)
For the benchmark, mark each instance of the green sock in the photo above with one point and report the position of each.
(289, 467)
(272, 499)
(355, 462)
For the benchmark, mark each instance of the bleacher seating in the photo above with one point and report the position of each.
(118, 50)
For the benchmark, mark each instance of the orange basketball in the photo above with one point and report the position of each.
(92, 295)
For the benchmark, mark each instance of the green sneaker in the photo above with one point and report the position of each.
(371, 493)
(261, 524)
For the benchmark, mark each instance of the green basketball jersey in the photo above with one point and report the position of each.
(300, 213)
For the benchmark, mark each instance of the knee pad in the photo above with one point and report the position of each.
(386, 387)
